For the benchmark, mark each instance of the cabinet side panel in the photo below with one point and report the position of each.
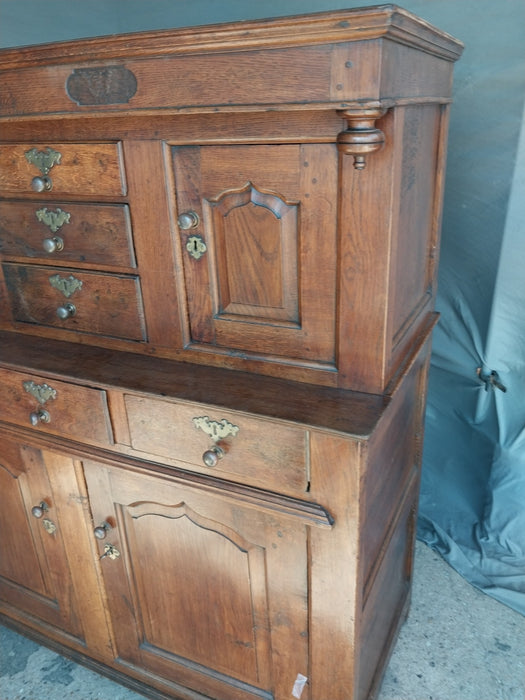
(394, 455)
(390, 499)
(415, 237)
(387, 604)
(412, 73)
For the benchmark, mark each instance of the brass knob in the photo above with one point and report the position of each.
(101, 531)
(39, 510)
(66, 311)
(41, 184)
(187, 220)
(39, 416)
(211, 457)
(53, 245)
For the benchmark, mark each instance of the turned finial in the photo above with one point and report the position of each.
(361, 137)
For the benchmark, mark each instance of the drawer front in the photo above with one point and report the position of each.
(55, 407)
(70, 168)
(91, 233)
(256, 452)
(88, 302)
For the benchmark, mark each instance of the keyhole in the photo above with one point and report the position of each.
(196, 247)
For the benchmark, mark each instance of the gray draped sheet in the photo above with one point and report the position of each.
(472, 506)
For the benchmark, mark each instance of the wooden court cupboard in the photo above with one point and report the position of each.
(217, 279)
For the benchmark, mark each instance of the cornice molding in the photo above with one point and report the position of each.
(382, 21)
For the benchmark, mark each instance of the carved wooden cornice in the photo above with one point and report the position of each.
(383, 21)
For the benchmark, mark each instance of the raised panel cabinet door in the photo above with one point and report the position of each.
(258, 238)
(34, 573)
(204, 592)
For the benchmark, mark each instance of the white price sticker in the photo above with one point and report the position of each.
(298, 686)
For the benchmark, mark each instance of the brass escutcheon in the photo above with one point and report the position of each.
(43, 160)
(49, 526)
(66, 285)
(111, 552)
(41, 392)
(217, 430)
(53, 219)
(196, 247)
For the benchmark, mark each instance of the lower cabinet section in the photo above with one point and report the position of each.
(188, 585)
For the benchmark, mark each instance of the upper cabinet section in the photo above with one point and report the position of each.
(262, 196)
(331, 58)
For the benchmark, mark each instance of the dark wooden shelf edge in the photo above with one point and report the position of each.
(349, 412)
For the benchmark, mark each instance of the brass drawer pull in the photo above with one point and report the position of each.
(188, 220)
(39, 416)
(53, 245)
(217, 430)
(39, 510)
(212, 456)
(66, 311)
(44, 161)
(42, 393)
(41, 184)
(101, 531)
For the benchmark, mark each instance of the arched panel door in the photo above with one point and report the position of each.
(34, 573)
(208, 594)
(258, 238)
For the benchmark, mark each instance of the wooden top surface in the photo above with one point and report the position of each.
(352, 413)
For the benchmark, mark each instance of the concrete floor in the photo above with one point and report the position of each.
(458, 644)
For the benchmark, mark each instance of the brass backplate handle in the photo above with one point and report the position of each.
(217, 430)
(53, 219)
(41, 392)
(43, 160)
(66, 285)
